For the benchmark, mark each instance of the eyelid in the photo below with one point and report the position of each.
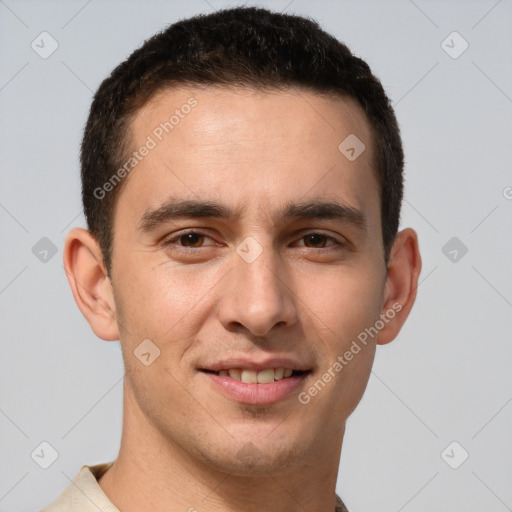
(176, 236)
(301, 235)
(328, 237)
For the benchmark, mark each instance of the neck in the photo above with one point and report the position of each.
(153, 473)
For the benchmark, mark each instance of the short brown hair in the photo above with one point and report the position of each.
(244, 46)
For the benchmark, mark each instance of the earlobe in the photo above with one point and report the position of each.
(401, 284)
(90, 285)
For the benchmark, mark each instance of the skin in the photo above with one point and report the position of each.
(305, 300)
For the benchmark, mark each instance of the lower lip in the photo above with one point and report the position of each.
(256, 394)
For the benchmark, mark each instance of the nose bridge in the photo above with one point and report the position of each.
(260, 273)
(257, 297)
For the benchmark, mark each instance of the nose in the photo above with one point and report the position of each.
(258, 296)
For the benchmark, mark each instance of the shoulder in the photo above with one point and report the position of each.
(84, 494)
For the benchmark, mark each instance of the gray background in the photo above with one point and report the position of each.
(446, 378)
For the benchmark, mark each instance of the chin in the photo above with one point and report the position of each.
(253, 458)
(259, 443)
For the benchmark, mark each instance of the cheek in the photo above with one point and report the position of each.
(156, 297)
(156, 303)
(344, 303)
(166, 304)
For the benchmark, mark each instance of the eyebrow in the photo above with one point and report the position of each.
(175, 208)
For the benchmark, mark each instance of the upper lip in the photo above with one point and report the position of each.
(248, 364)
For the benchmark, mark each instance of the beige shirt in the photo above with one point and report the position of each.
(84, 494)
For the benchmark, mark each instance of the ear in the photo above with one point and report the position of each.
(91, 287)
(404, 268)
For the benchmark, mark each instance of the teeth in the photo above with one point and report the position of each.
(278, 373)
(265, 376)
(235, 374)
(252, 377)
(249, 376)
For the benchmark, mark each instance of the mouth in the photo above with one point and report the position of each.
(261, 386)
(265, 376)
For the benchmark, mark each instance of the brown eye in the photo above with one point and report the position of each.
(191, 240)
(316, 240)
(187, 242)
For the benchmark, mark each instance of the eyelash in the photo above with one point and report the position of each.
(171, 241)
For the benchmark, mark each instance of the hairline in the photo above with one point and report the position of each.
(127, 143)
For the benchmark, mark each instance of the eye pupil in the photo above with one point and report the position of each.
(191, 239)
(315, 239)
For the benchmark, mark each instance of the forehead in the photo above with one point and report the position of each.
(251, 148)
(227, 115)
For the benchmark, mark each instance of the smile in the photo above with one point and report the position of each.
(265, 376)
(262, 387)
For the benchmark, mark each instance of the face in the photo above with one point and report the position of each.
(248, 246)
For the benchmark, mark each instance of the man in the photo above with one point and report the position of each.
(242, 182)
